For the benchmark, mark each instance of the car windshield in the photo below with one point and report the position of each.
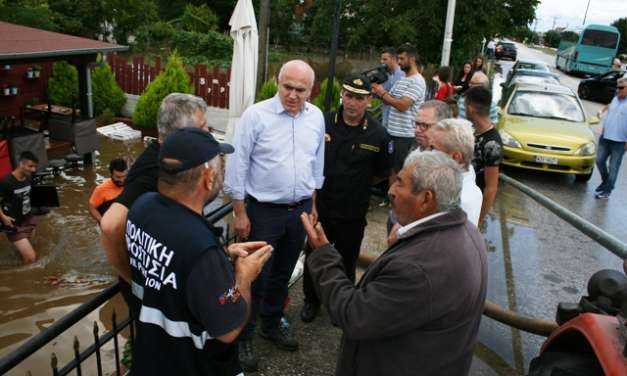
(540, 80)
(546, 105)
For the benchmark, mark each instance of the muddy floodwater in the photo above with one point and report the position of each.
(71, 266)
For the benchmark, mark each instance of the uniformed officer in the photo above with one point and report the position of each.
(357, 149)
(194, 300)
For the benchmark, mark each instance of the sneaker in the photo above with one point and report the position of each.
(247, 358)
(309, 312)
(281, 336)
(602, 195)
(599, 189)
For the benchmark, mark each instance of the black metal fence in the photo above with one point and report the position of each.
(10, 361)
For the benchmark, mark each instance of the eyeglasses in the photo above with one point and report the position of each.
(423, 126)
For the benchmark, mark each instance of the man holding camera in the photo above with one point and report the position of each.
(356, 150)
(405, 99)
(389, 58)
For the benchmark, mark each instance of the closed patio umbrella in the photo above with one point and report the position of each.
(243, 78)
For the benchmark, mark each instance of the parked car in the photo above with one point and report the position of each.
(600, 88)
(528, 65)
(525, 76)
(544, 127)
(506, 50)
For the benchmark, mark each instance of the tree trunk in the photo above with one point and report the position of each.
(264, 21)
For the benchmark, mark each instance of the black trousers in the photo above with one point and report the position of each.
(347, 236)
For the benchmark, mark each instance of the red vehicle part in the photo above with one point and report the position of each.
(602, 334)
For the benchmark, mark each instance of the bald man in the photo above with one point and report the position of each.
(478, 79)
(271, 178)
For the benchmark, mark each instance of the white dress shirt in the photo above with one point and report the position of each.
(278, 158)
(471, 196)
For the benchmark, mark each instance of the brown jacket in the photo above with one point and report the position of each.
(417, 309)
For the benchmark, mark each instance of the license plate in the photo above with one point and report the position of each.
(546, 160)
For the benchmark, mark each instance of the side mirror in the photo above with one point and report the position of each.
(593, 120)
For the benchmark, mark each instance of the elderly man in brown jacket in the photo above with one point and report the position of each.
(417, 309)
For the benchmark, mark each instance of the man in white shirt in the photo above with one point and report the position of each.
(455, 137)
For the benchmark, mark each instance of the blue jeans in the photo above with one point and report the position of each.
(612, 150)
(281, 228)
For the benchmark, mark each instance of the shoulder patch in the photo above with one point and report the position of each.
(391, 147)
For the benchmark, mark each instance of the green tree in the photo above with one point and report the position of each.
(82, 18)
(128, 16)
(569, 36)
(552, 38)
(621, 25)
(31, 13)
(107, 92)
(199, 19)
(174, 79)
(63, 84)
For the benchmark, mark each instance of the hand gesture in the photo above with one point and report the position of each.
(378, 89)
(242, 226)
(248, 268)
(315, 233)
(236, 250)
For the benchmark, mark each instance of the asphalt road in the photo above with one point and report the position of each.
(536, 259)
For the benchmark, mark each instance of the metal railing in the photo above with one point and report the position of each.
(10, 361)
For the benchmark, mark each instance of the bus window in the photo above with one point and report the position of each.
(599, 38)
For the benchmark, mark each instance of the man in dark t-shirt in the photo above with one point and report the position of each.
(194, 300)
(15, 210)
(177, 110)
(488, 145)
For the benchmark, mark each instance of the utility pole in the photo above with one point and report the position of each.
(334, 41)
(264, 39)
(554, 19)
(448, 33)
(585, 14)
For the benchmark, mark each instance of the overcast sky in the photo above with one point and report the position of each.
(570, 13)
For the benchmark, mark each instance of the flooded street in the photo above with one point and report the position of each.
(71, 265)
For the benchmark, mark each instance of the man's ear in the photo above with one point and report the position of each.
(429, 202)
(209, 175)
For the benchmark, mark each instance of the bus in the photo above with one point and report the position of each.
(592, 54)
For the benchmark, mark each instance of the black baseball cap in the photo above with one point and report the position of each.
(357, 84)
(191, 147)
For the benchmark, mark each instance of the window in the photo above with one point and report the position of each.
(598, 38)
(546, 105)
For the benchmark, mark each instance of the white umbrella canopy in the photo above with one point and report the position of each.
(243, 78)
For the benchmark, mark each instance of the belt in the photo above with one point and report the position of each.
(290, 206)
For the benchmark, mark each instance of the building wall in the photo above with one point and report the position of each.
(29, 90)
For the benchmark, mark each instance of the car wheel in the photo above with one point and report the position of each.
(584, 92)
(562, 363)
(583, 178)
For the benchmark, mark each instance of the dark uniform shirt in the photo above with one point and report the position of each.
(488, 153)
(142, 177)
(353, 156)
(189, 295)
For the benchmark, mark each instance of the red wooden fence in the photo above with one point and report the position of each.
(133, 77)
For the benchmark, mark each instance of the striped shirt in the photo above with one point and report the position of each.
(401, 124)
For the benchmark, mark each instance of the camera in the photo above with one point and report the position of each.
(377, 75)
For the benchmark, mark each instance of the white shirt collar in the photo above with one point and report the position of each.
(405, 229)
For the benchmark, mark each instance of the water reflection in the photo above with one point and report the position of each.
(71, 266)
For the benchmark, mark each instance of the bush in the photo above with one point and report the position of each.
(335, 97)
(158, 33)
(211, 45)
(63, 84)
(107, 92)
(268, 90)
(174, 79)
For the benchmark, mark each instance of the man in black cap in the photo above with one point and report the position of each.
(195, 299)
(357, 149)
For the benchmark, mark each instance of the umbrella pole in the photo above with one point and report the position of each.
(334, 40)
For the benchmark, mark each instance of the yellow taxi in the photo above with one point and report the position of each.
(544, 127)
